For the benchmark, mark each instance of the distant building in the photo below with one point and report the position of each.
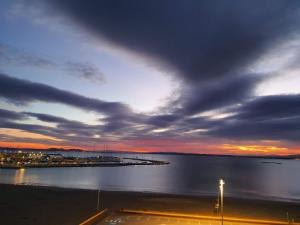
(55, 157)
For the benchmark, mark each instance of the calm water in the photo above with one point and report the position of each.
(188, 175)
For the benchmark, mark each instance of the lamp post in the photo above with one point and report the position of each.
(98, 199)
(222, 196)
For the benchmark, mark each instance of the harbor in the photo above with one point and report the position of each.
(22, 160)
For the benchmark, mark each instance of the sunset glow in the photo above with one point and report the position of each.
(23, 134)
(32, 145)
(257, 149)
(123, 82)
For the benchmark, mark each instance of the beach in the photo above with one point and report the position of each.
(35, 205)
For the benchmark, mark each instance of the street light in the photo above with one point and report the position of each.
(222, 196)
(98, 199)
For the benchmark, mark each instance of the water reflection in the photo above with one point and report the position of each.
(187, 175)
(19, 176)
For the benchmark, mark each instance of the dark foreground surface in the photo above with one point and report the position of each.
(23, 205)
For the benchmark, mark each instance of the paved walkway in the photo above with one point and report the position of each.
(135, 219)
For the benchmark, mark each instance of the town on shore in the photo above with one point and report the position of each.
(24, 159)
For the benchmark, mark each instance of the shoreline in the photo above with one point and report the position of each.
(192, 194)
(82, 165)
(62, 162)
(30, 205)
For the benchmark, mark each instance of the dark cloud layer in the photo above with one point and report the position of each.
(47, 118)
(71, 132)
(270, 117)
(222, 93)
(10, 115)
(284, 130)
(271, 107)
(209, 45)
(23, 92)
(200, 40)
(265, 119)
(164, 120)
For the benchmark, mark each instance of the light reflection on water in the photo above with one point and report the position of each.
(19, 176)
(187, 175)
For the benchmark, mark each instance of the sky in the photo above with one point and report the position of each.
(212, 77)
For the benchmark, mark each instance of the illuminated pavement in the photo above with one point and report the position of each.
(135, 219)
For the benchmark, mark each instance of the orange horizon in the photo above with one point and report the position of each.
(223, 149)
(263, 147)
(20, 145)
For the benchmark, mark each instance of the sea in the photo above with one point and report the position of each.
(255, 178)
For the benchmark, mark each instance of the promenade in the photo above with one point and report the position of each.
(133, 217)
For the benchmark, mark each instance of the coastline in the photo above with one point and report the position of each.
(83, 165)
(30, 205)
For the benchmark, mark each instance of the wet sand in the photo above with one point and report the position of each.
(31, 205)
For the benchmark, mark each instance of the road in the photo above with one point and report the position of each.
(136, 219)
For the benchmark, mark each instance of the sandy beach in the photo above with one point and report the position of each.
(33, 205)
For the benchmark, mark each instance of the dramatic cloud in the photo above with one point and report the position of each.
(271, 107)
(48, 118)
(269, 117)
(44, 130)
(259, 123)
(65, 127)
(199, 40)
(287, 129)
(209, 45)
(163, 120)
(11, 115)
(217, 95)
(23, 92)
(64, 130)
